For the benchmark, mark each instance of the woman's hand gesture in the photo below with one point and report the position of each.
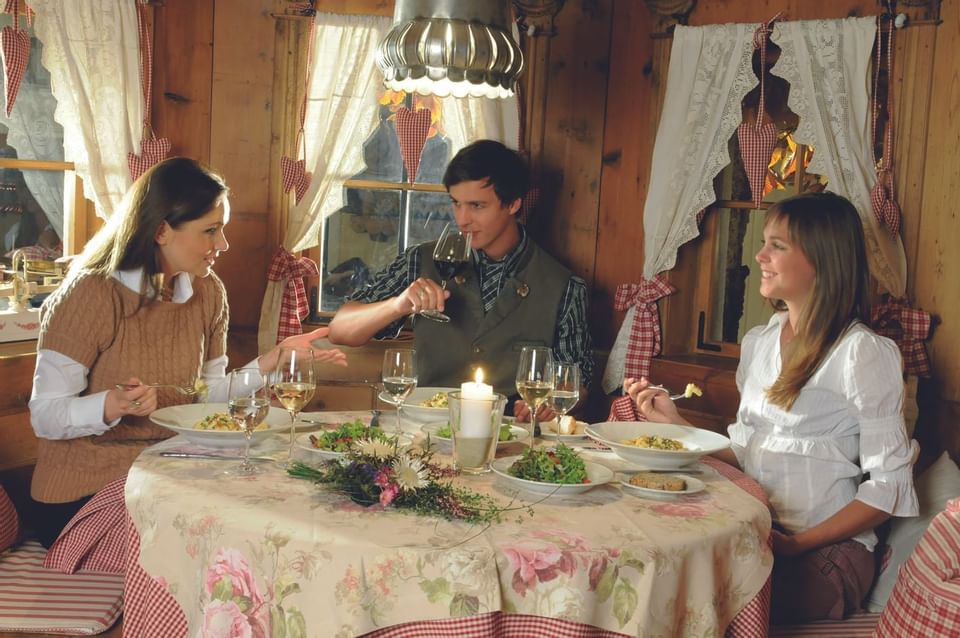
(269, 360)
(653, 404)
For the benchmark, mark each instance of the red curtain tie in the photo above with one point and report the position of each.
(644, 341)
(288, 268)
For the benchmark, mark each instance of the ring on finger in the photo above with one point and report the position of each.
(134, 405)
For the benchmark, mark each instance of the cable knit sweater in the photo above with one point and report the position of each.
(95, 321)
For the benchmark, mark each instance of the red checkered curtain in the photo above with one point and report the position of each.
(909, 328)
(644, 341)
(152, 148)
(290, 270)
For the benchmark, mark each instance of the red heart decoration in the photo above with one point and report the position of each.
(295, 175)
(17, 6)
(15, 49)
(151, 151)
(756, 147)
(885, 207)
(412, 129)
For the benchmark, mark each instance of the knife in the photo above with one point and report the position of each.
(222, 457)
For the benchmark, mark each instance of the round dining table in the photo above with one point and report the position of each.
(215, 554)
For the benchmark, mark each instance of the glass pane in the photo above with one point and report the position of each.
(32, 211)
(31, 132)
(358, 241)
(429, 212)
(737, 304)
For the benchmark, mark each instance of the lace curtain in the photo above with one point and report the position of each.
(341, 113)
(92, 51)
(710, 73)
(35, 135)
(827, 64)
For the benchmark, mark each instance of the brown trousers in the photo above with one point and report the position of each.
(828, 583)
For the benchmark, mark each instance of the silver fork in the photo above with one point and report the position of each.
(182, 389)
(673, 397)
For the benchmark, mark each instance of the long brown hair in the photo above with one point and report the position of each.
(175, 191)
(827, 228)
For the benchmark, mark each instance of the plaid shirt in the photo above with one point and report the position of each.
(572, 337)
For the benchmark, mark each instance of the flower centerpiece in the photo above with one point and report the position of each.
(377, 472)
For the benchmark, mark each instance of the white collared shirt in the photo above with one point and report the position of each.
(847, 422)
(57, 411)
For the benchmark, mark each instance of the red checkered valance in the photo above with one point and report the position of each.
(894, 318)
(644, 343)
(290, 271)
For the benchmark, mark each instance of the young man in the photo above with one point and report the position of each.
(514, 294)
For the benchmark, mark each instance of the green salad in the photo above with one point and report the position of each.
(339, 440)
(446, 432)
(561, 465)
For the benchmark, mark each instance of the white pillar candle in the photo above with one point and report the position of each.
(476, 404)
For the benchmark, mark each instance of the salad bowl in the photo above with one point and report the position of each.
(596, 473)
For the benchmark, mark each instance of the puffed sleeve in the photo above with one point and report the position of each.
(873, 383)
(740, 432)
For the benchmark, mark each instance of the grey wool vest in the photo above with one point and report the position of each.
(524, 314)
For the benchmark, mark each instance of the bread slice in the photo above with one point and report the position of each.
(663, 482)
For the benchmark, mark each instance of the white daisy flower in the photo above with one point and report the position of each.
(374, 448)
(409, 473)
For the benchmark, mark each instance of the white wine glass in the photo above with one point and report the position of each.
(399, 376)
(450, 256)
(248, 402)
(293, 385)
(535, 378)
(566, 388)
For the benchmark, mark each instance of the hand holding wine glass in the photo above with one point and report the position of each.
(248, 402)
(399, 376)
(535, 379)
(450, 256)
(294, 385)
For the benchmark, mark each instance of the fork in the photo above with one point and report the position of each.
(182, 389)
(673, 397)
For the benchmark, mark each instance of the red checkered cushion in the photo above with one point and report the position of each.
(9, 521)
(926, 599)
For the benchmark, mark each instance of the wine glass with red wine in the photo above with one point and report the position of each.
(451, 255)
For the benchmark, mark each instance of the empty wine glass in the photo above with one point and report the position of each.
(535, 378)
(248, 402)
(399, 377)
(450, 256)
(566, 388)
(294, 385)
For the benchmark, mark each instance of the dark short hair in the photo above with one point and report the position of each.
(489, 160)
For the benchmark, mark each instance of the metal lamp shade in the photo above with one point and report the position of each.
(451, 47)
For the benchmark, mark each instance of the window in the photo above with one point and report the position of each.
(384, 212)
(38, 190)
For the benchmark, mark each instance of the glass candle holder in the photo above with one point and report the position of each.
(475, 424)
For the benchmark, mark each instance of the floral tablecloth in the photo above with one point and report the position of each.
(250, 556)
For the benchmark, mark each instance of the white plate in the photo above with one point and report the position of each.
(694, 485)
(519, 433)
(413, 410)
(579, 432)
(182, 419)
(598, 475)
(696, 442)
(303, 442)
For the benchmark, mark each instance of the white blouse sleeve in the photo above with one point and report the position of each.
(873, 382)
(740, 432)
(56, 409)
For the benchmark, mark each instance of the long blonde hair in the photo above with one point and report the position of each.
(175, 191)
(827, 228)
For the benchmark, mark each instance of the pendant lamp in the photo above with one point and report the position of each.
(451, 47)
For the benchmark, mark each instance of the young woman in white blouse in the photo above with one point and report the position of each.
(820, 424)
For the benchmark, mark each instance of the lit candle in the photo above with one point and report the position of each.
(476, 404)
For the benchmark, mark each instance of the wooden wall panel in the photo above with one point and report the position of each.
(936, 262)
(182, 78)
(240, 134)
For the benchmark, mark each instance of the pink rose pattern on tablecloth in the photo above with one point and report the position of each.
(546, 555)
